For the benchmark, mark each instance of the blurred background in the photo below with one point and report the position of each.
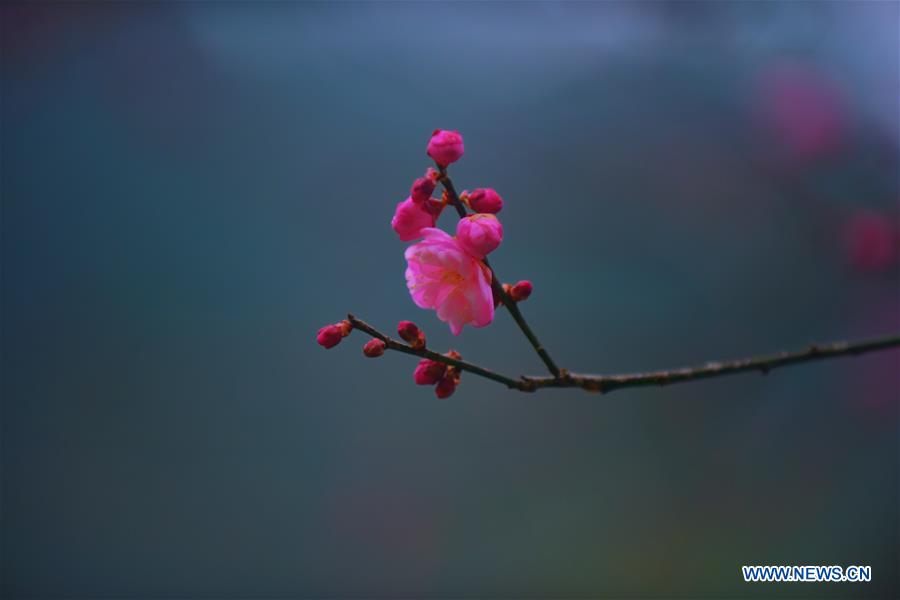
(189, 191)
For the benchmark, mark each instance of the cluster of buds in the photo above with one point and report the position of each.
(443, 377)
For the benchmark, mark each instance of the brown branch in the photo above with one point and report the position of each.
(497, 285)
(392, 344)
(763, 364)
(608, 383)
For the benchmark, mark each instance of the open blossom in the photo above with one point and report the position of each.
(410, 218)
(445, 147)
(479, 234)
(443, 276)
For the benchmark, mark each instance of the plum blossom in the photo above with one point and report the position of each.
(410, 218)
(441, 275)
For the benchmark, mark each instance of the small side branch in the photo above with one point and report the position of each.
(497, 285)
(392, 344)
(608, 383)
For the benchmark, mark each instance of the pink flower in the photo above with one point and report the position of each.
(410, 218)
(485, 200)
(479, 234)
(445, 147)
(443, 276)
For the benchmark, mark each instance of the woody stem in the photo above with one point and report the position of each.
(497, 285)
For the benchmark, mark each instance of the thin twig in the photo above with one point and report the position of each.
(392, 344)
(608, 383)
(497, 285)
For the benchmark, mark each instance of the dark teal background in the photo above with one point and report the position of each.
(189, 191)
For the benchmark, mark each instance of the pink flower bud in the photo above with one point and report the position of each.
(445, 147)
(411, 334)
(329, 336)
(445, 387)
(410, 218)
(423, 187)
(485, 200)
(373, 348)
(479, 234)
(521, 291)
(433, 207)
(429, 372)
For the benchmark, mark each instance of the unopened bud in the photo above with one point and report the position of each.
(429, 372)
(485, 200)
(479, 234)
(445, 147)
(411, 334)
(445, 387)
(521, 290)
(410, 218)
(422, 188)
(373, 348)
(434, 207)
(329, 336)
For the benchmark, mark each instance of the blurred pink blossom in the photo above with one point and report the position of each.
(802, 110)
(872, 241)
